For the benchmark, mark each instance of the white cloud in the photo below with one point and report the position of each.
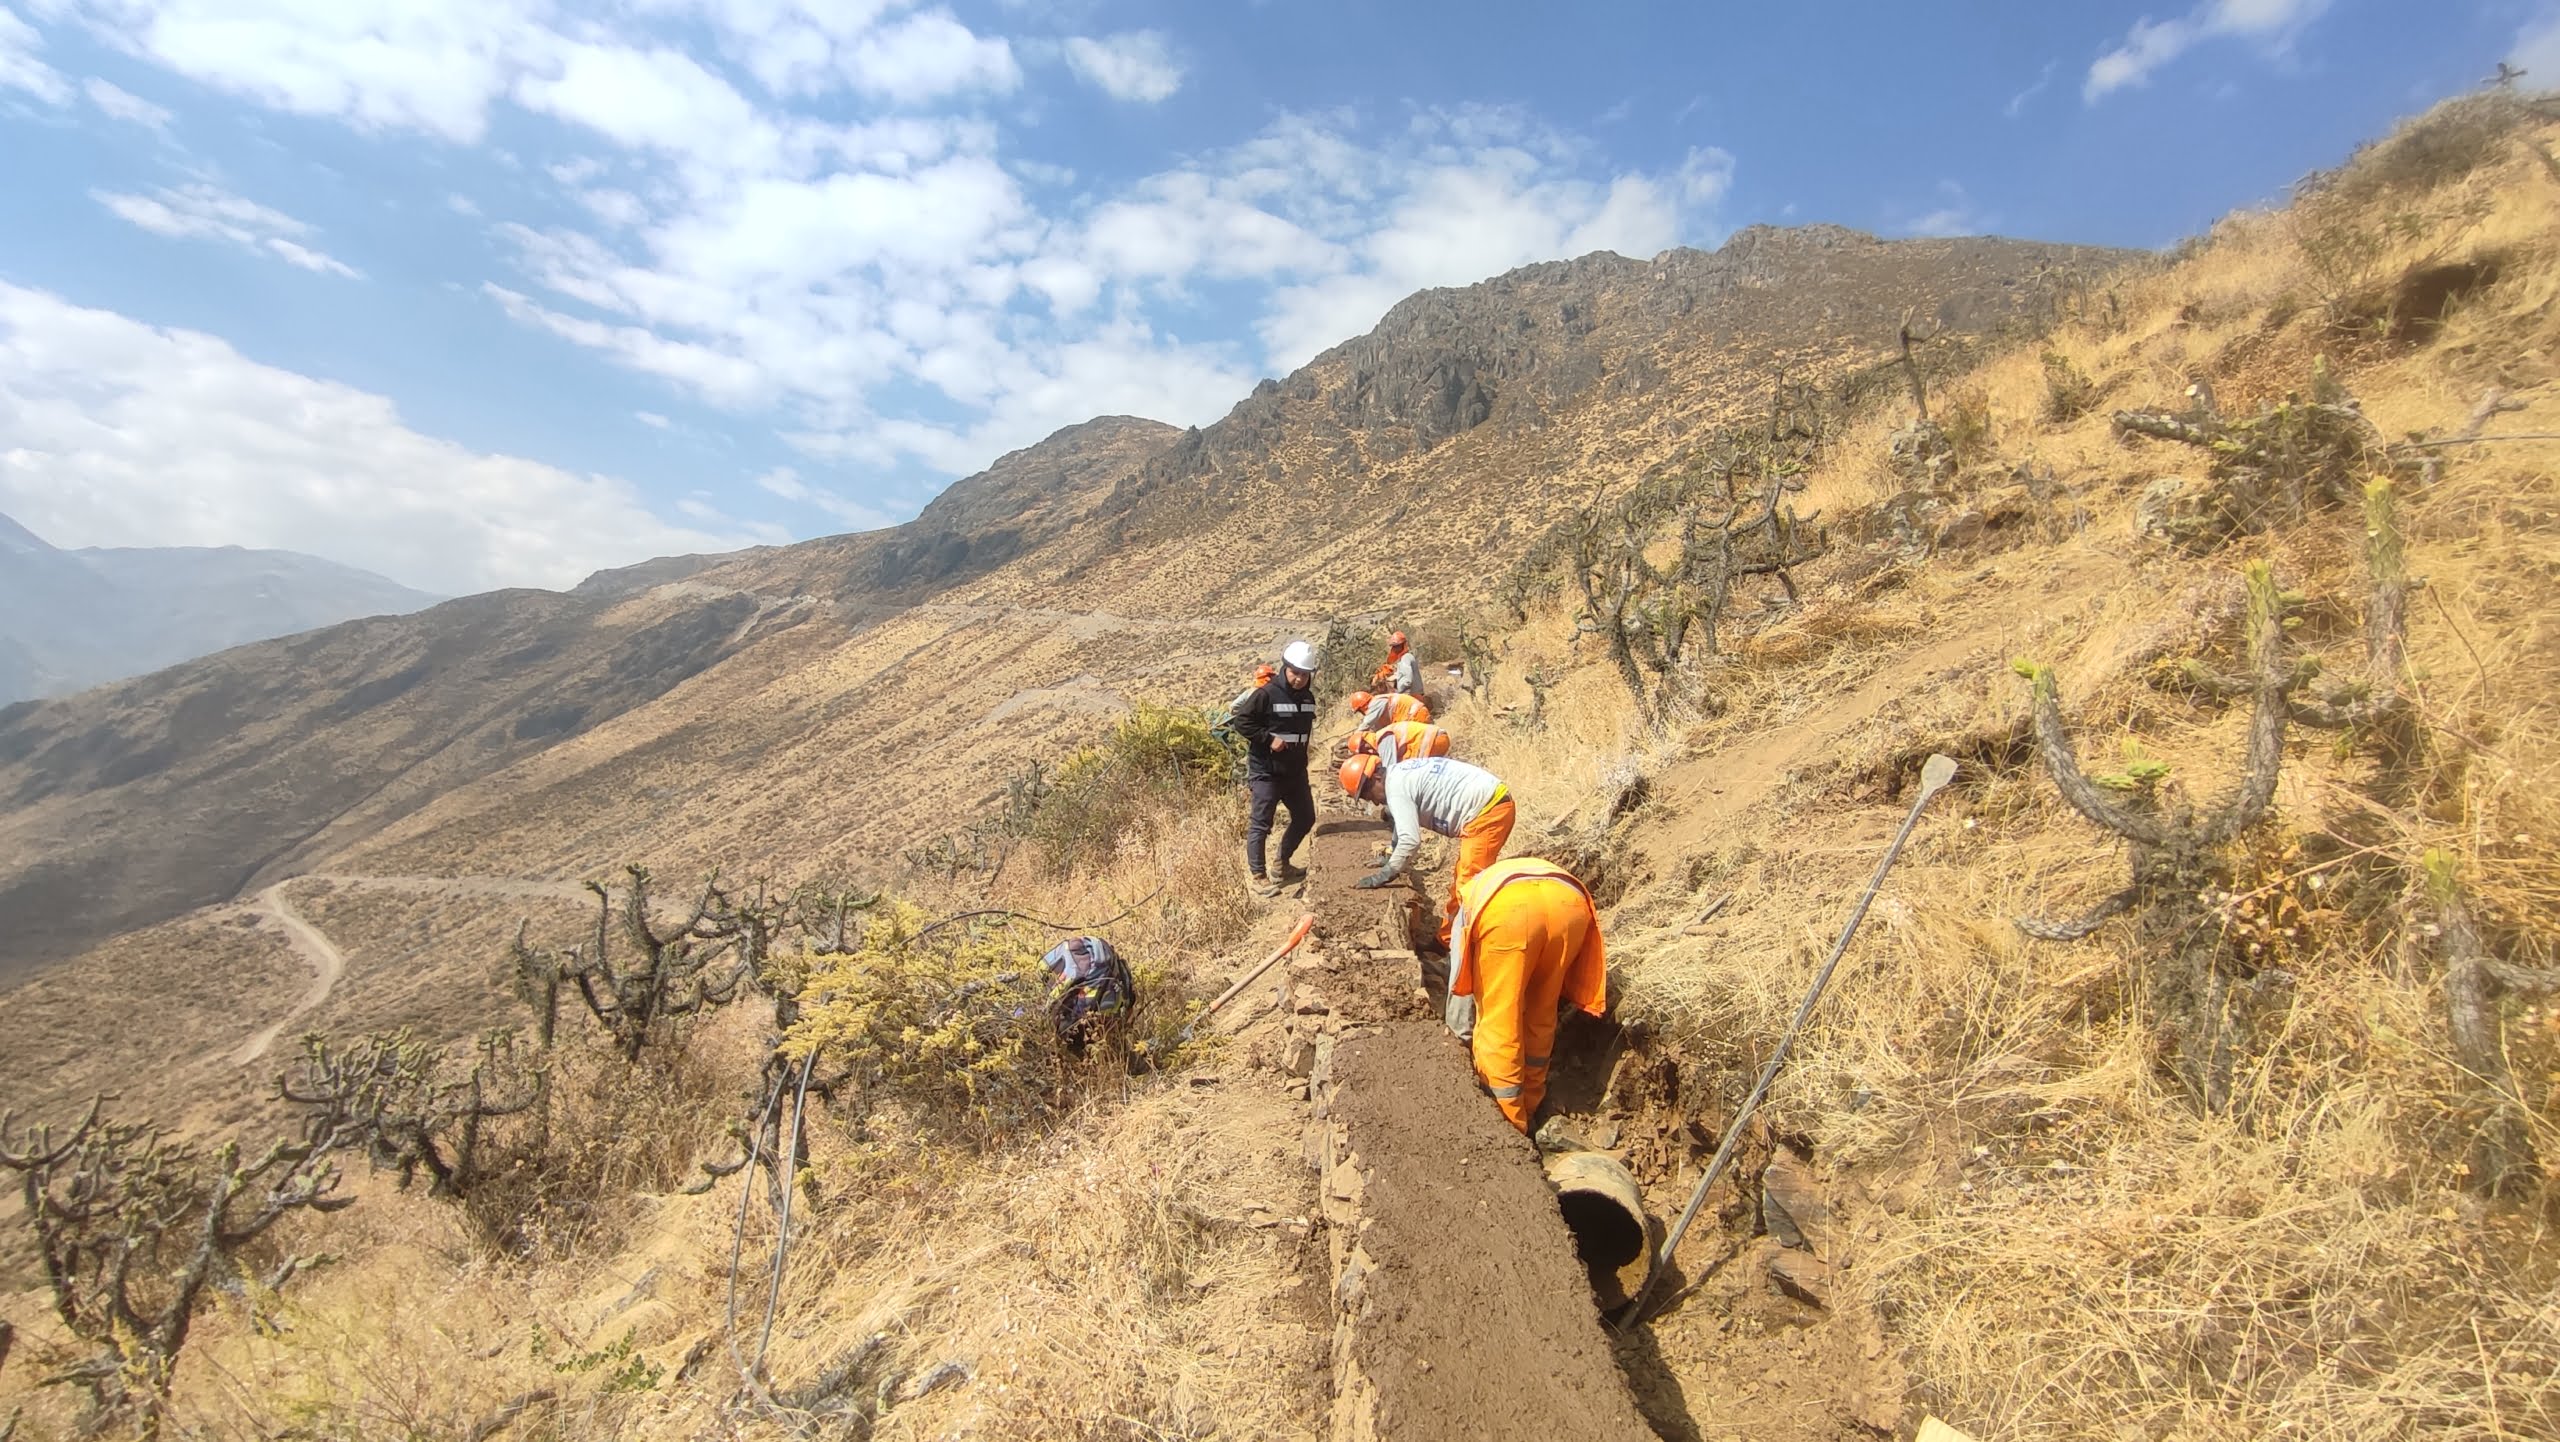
(804, 210)
(20, 69)
(113, 432)
(2537, 48)
(652, 420)
(381, 64)
(785, 482)
(653, 99)
(811, 292)
(1954, 215)
(929, 56)
(1453, 215)
(204, 212)
(124, 105)
(2154, 43)
(2019, 102)
(1133, 65)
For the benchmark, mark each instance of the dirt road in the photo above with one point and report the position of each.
(328, 963)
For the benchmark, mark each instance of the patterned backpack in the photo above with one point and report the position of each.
(1090, 989)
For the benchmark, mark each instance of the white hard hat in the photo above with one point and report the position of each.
(1300, 655)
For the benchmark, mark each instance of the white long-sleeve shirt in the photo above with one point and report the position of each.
(1408, 677)
(1439, 792)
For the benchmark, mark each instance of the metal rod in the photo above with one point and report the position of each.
(1934, 776)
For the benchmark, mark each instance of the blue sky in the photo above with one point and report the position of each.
(494, 292)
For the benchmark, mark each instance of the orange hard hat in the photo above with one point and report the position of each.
(1364, 743)
(1356, 773)
(1262, 675)
(1358, 700)
(1395, 640)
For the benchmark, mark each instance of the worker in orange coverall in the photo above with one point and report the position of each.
(1400, 672)
(1527, 942)
(1401, 741)
(1385, 708)
(1437, 793)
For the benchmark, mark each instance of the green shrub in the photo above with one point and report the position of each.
(1109, 793)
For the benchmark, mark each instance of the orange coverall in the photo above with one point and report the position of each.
(1412, 740)
(1527, 940)
(1479, 847)
(1388, 709)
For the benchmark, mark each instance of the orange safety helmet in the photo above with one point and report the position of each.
(1364, 743)
(1262, 674)
(1358, 700)
(1395, 640)
(1356, 773)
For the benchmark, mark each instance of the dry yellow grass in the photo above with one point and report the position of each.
(2067, 1248)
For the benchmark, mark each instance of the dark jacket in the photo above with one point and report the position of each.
(1276, 709)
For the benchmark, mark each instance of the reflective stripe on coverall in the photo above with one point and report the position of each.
(1403, 741)
(1527, 941)
(1384, 710)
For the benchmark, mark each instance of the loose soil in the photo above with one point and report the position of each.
(1467, 1312)
(1479, 1319)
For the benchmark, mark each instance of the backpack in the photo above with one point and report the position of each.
(1091, 989)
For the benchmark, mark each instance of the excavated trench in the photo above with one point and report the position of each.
(1464, 1304)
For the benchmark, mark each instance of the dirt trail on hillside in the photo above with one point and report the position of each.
(329, 964)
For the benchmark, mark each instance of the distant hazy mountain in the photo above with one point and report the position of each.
(73, 619)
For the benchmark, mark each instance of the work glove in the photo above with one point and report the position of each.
(1374, 880)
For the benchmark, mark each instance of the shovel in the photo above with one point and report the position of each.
(1934, 776)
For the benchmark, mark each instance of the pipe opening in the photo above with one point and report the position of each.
(1610, 1243)
(1604, 1210)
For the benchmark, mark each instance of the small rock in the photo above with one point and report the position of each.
(949, 1374)
(1791, 1204)
(1803, 1276)
(1964, 528)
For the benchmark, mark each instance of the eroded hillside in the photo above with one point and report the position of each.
(1469, 419)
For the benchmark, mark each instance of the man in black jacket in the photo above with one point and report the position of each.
(1277, 721)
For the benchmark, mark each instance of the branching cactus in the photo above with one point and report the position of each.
(131, 1227)
(2210, 1002)
(410, 1106)
(1730, 504)
(2502, 1154)
(660, 973)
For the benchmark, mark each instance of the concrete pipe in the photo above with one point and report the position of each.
(1604, 1209)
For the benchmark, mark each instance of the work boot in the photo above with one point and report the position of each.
(1261, 886)
(1290, 873)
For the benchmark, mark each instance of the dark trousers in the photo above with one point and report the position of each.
(1269, 794)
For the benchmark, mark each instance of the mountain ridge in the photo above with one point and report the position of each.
(535, 731)
(71, 618)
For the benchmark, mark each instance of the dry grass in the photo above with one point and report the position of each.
(2065, 1247)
